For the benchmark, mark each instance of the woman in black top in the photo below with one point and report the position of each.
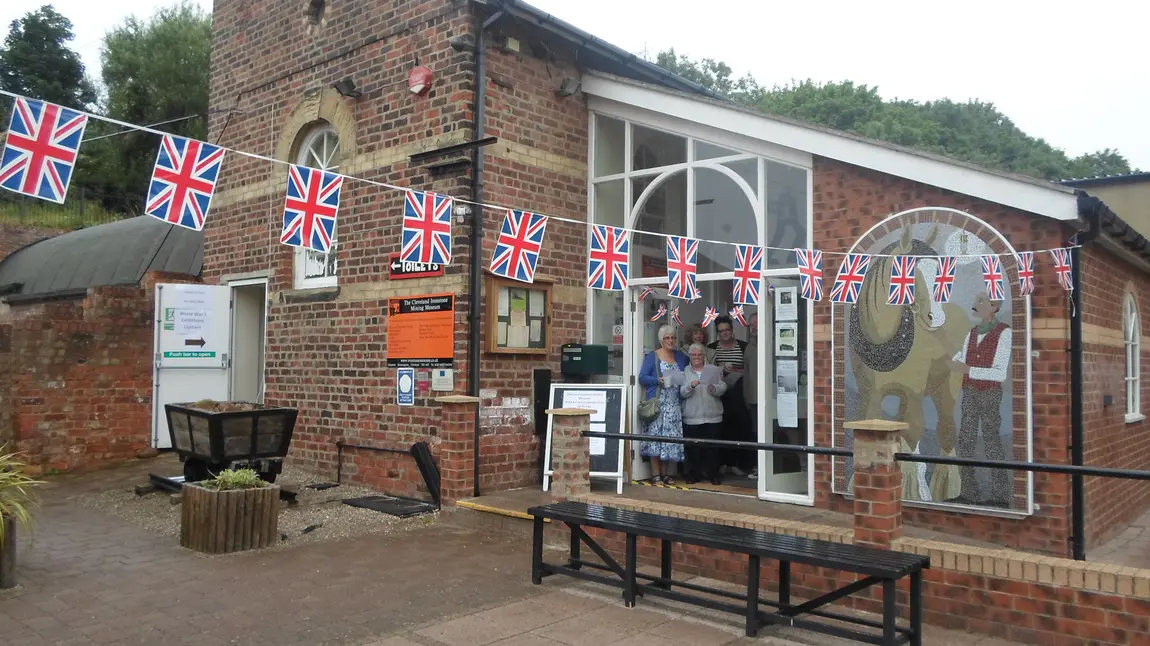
(728, 353)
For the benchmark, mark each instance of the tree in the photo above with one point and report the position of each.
(153, 71)
(36, 62)
(974, 131)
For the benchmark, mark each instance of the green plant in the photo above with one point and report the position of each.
(233, 480)
(16, 498)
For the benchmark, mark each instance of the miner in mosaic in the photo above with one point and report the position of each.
(983, 361)
(943, 368)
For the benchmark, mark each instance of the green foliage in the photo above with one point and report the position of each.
(16, 499)
(233, 480)
(35, 61)
(972, 131)
(153, 71)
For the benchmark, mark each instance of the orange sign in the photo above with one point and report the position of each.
(421, 331)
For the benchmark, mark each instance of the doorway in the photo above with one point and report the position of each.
(249, 325)
(784, 411)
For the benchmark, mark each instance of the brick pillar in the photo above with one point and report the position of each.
(570, 452)
(457, 448)
(877, 482)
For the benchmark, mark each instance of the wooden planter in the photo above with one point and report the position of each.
(218, 522)
(8, 554)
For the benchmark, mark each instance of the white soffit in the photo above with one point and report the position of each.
(1051, 201)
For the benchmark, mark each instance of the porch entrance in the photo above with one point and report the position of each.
(783, 411)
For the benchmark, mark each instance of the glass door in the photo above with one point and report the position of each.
(784, 394)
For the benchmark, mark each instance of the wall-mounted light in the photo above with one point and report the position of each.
(347, 88)
(568, 87)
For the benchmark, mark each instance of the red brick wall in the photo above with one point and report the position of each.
(849, 200)
(326, 352)
(83, 384)
(14, 236)
(1108, 440)
(525, 113)
(1027, 612)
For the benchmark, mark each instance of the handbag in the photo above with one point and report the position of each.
(649, 408)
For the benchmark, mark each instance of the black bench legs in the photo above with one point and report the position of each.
(916, 608)
(537, 551)
(752, 596)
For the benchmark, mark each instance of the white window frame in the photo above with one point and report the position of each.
(1132, 344)
(307, 157)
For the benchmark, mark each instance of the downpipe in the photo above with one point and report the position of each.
(1090, 208)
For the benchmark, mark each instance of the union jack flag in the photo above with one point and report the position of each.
(41, 150)
(902, 280)
(1025, 273)
(607, 262)
(848, 282)
(426, 228)
(944, 281)
(1062, 267)
(675, 316)
(184, 181)
(647, 291)
(748, 274)
(709, 316)
(682, 255)
(810, 273)
(697, 295)
(662, 311)
(737, 314)
(517, 249)
(992, 274)
(309, 212)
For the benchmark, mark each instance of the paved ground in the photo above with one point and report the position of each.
(1131, 547)
(93, 578)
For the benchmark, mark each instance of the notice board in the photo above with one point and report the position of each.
(421, 331)
(609, 401)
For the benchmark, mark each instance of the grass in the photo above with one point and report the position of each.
(70, 216)
(16, 496)
(234, 480)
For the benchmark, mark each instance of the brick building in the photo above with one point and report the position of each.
(569, 126)
(76, 339)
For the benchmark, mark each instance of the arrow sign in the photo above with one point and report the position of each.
(398, 269)
(196, 342)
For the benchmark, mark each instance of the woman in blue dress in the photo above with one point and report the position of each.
(669, 421)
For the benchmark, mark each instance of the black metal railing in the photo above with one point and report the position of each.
(1077, 511)
(84, 208)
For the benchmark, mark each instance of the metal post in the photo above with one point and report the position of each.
(1077, 486)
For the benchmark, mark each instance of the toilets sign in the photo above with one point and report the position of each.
(398, 269)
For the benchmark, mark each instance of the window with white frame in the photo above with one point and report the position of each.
(1132, 335)
(319, 149)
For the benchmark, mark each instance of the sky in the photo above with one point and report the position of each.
(1072, 74)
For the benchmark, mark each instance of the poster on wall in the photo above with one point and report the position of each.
(787, 339)
(786, 304)
(421, 331)
(787, 393)
(910, 363)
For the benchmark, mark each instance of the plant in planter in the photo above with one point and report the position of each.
(16, 502)
(230, 512)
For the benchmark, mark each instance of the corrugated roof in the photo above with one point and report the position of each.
(117, 253)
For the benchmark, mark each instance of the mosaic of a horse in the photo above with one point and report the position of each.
(904, 351)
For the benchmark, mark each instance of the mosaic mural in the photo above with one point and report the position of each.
(950, 371)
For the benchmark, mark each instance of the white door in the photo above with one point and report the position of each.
(192, 341)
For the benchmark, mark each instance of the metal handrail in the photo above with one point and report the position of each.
(1015, 465)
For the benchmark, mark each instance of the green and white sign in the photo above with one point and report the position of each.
(189, 355)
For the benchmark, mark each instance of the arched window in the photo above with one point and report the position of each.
(319, 148)
(1132, 336)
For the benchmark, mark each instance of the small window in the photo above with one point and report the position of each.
(319, 149)
(315, 11)
(1132, 334)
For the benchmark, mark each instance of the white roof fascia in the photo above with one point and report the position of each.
(1055, 201)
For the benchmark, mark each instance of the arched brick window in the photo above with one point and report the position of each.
(318, 148)
(1132, 337)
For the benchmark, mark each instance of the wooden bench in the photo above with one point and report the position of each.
(874, 565)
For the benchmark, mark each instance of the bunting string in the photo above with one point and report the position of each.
(1057, 252)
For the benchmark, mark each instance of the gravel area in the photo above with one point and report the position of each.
(320, 512)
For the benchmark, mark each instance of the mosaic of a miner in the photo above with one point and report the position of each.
(983, 360)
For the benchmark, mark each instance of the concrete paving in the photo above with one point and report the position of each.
(91, 578)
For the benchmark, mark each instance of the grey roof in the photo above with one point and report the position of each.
(1129, 178)
(117, 253)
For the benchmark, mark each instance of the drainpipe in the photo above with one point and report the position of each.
(1091, 209)
(476, 301)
